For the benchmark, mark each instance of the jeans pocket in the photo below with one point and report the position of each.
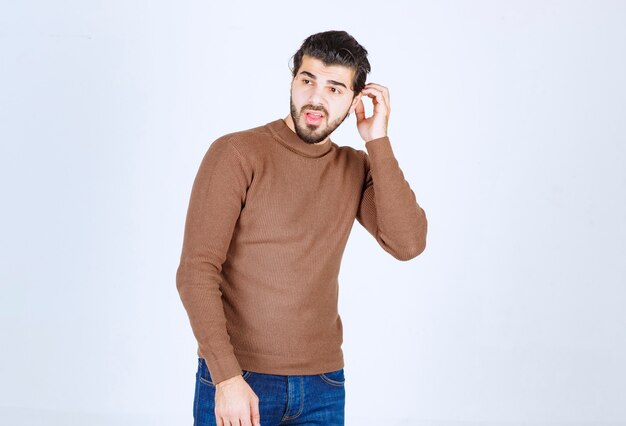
(204, 375)
(335, 378)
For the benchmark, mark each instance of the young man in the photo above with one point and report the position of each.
(270, 212)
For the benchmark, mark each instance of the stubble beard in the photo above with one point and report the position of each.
(310, 133)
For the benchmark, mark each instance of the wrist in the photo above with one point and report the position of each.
(375, 138)
(227, 381)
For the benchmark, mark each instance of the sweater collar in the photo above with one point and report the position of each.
(287, 137)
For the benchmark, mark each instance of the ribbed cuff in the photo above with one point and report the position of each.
(380, 147)
(223, 368)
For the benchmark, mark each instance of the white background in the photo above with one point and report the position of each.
(508, 120)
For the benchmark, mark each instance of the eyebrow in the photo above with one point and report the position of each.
(333, 82)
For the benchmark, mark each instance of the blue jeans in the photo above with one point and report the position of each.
(317, 399)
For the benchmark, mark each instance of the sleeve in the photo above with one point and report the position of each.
(217, 197)
(388, 208)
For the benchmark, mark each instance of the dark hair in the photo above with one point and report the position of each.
(336, 48)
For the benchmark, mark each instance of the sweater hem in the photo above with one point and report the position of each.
(281, 365)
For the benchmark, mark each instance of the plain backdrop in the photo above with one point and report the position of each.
(508, 119)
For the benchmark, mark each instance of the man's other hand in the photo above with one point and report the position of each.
(235, 402)
(373, 127)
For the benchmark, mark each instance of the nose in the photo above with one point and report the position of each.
(316, 97)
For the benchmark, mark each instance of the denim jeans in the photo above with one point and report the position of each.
(317, 399)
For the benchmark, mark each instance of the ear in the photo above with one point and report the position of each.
(355, 101)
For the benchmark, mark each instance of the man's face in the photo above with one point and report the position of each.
(321, 99)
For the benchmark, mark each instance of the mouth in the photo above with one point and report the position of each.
(313, 117)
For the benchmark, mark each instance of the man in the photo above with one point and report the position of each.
(269, 216)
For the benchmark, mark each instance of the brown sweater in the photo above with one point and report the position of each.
(268, 221)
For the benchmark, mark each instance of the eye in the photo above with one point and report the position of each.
(335, 90)
(306, 81)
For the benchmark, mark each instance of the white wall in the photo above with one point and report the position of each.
(508, 119)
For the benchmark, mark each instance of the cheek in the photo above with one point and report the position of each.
(298, 99)
(342, 107)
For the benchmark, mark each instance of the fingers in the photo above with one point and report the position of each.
(255, 416)
(379, 95)
(229, 412)
(384, 90)
(248, 415)
(234, 422)
(252, 419)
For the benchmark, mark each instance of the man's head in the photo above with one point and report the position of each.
(329, 73)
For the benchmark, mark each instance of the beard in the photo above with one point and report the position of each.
(313, 133)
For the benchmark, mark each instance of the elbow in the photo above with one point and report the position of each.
(179, 277)
(412, 252)
(418, 244)
(408, 251)
(184, 274)
(419, 249)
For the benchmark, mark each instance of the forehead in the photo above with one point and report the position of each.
(327, 72)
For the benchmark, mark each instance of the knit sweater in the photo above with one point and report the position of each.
(268, 220)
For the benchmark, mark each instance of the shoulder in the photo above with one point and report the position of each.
(244, 143)
(244, 138)
(353, 156)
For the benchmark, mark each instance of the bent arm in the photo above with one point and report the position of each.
(388, 209)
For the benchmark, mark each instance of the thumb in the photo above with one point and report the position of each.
(255, 416)
(359, 111)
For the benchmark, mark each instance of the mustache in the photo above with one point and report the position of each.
(314, 108)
